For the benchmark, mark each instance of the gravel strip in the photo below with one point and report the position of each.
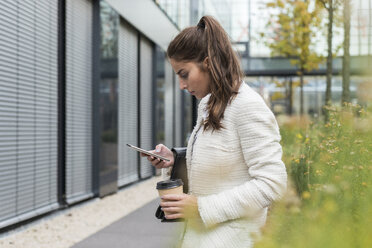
(67, 227)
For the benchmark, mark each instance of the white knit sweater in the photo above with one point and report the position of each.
(235, 172)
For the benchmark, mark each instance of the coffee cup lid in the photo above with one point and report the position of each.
(169, 184)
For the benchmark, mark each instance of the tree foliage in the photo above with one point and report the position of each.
(294, 24)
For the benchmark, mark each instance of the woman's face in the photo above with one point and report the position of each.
(192, 77)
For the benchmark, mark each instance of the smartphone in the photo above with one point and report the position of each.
(148, 153)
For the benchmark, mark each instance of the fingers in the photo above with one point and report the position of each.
(150, 158)
(144, 155)
(173, 197)
(173, 210)
(174, 216)
(171, 204)
(156, 162)
(159, 164)
(158, 148)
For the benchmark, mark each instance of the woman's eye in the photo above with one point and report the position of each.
(184, 75)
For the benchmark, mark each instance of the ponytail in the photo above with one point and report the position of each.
(209, 40)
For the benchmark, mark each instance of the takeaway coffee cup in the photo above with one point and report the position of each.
(172, 186)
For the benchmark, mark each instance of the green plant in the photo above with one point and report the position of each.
(330, 167)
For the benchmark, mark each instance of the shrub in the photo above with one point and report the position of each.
(330, 168)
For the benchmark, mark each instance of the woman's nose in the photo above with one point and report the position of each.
(182, 85)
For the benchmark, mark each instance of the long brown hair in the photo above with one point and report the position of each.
(209, 39)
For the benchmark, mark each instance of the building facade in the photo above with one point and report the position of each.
(79, 79)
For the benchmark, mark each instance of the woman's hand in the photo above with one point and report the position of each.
(164, 151)
(180, 206)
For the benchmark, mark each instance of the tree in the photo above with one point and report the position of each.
(331, 6)
(346, 58)
(294, 31)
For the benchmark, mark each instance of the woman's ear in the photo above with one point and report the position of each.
(206, 63)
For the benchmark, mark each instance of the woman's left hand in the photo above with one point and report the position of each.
(180, 206)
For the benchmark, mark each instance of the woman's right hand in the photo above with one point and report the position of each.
(164, 151)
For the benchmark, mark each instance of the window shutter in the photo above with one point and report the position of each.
(78, 100)
(128, 104)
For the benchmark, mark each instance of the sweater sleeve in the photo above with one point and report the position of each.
(259, 139)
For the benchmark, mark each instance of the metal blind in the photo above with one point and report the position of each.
(128, 104)
(28, 109)
(146, 169)
(78, 100)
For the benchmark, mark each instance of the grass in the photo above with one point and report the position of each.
(330, 172)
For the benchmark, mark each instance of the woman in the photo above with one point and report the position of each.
(233, 156)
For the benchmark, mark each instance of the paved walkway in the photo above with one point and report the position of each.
(139, 229)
